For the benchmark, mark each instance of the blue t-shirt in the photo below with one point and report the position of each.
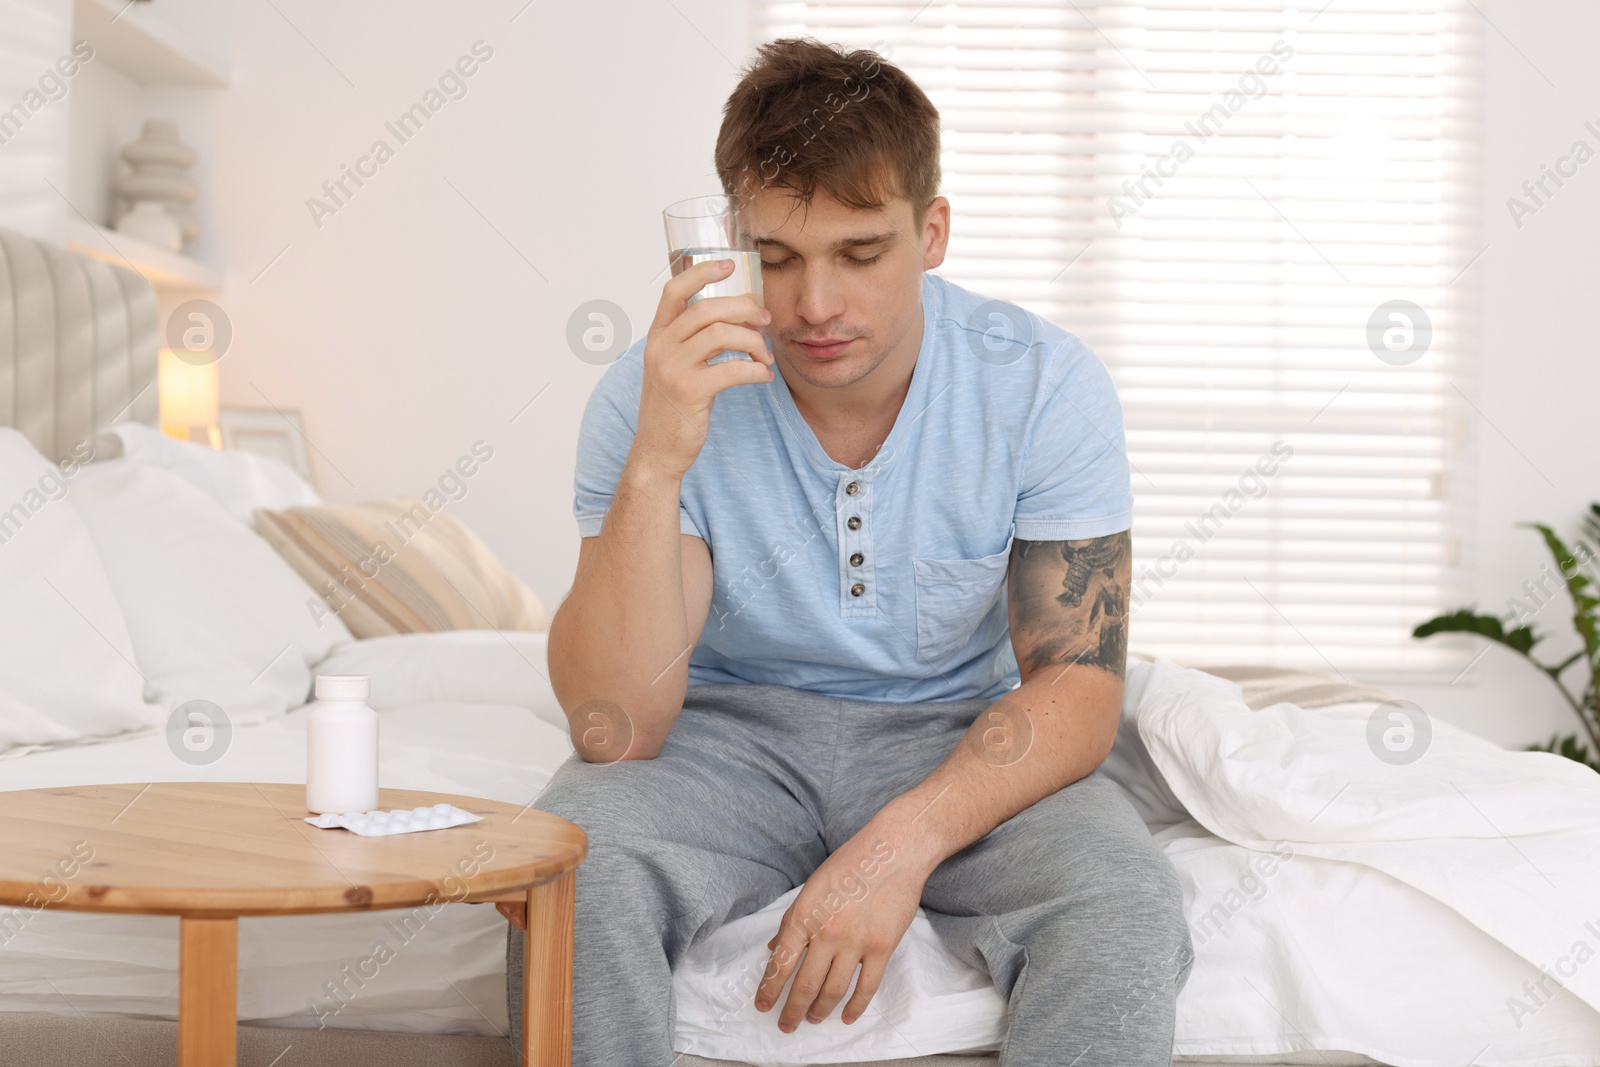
(886, 582)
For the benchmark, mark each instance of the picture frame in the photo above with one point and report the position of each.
(278, 433)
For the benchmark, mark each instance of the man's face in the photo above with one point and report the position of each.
(844, 285)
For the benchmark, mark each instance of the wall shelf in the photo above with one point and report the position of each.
(161, 268)
(145, 45)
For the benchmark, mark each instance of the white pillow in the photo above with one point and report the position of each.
(239, 481)
(213, 611)
(66, 661)
(470, 666)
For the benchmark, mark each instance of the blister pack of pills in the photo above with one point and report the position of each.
(380, 823)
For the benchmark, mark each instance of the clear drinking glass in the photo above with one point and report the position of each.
(715, 227)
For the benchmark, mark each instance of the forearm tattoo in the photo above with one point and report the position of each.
(1069, 602)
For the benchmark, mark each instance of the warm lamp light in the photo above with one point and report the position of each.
(188, 399)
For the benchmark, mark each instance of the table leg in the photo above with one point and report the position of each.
(208, 999)
(547, 975)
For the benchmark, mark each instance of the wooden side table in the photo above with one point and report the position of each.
(210, 852)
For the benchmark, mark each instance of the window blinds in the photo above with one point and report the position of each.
(1262, 217)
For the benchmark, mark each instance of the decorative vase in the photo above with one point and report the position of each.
(148, 221)
(159, 164)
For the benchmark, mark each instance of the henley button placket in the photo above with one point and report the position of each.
(853, 501)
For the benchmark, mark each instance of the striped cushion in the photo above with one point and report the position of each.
(397, 566)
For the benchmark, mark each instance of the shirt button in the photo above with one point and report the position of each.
(854, 522)
(853, 488)
(855, 560)
(857, 589)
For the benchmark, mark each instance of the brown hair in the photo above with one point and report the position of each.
(808, 115)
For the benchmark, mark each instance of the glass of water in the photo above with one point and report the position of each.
(715, 227)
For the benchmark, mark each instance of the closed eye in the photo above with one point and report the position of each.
(783, 264)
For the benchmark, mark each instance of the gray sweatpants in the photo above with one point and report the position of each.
(1070, 905)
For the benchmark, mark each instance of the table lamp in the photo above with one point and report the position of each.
(188, 399)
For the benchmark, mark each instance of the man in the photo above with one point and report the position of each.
(808, 587)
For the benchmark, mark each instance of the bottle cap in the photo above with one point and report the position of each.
(342, 687)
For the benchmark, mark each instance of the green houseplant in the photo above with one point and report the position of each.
(1516, 634)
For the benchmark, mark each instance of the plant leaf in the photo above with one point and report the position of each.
(1583, 617)
(1522, 639)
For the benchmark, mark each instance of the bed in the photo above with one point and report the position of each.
(1345, 909)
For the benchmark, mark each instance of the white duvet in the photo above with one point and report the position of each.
(1437, 912)
(1336, 901)
(1442, 912)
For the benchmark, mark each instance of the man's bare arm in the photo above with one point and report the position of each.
(620, 642)
(1068, 603)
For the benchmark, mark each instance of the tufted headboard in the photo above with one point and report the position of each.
(78, 344)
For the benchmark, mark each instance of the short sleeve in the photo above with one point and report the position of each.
(605, 435)
(1075, 477)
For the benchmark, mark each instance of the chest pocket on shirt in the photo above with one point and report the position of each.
(953, 599)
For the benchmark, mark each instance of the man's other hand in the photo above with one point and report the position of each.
(851, 913)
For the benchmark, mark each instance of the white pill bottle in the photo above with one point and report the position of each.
(341, 747)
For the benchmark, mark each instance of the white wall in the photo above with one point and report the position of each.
(1539, 380)
(409, 325)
